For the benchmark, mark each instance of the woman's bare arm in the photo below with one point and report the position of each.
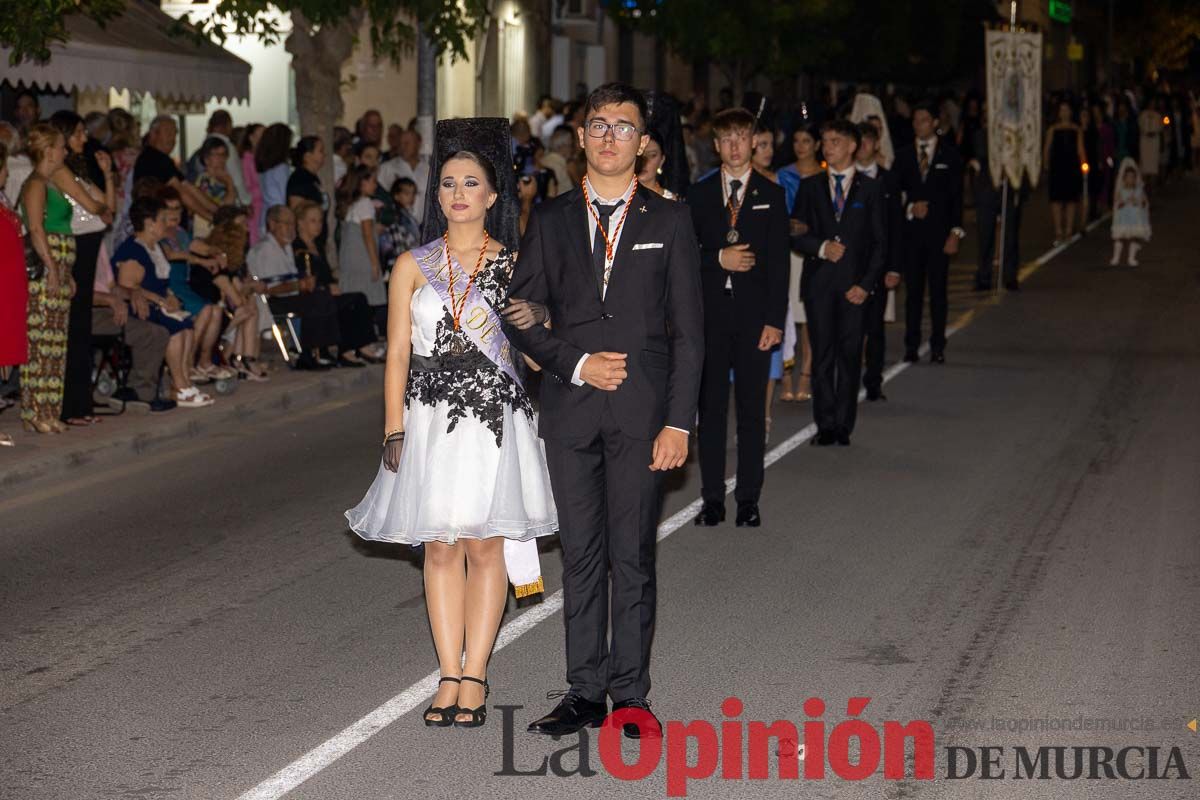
(372, 245)
(399, 340)
(64, 181)
(33, 198)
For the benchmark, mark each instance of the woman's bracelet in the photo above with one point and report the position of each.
(397, 433)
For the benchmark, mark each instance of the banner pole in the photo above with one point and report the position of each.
(1012, 37)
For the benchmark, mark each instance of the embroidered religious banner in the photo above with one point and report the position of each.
(1014, 94)
(479, 320)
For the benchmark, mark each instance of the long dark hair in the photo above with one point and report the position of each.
(350, 189)
(273, 147)
(303, 147)
(66, 122)
(243, 141)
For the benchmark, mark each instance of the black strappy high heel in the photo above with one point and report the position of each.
(479, 714)
(445, 715)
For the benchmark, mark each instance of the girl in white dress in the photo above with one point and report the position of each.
(463, 471)
(1131, 213)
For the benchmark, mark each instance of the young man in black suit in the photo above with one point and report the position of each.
(741, 219)
(930, 175)
(866, 162)
(845, 243)
(618, 269)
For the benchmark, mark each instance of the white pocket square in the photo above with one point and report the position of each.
(760, 208)
(648, 246)
(941, 166)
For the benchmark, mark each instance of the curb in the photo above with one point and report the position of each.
(249, 403)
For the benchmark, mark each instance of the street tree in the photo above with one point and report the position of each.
(743, 39)
(321, 37)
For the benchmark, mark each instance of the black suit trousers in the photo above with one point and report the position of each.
(735, 347)
(987, 209)
(608, 506)
(835, 332)
(927, 264)
(875, 338)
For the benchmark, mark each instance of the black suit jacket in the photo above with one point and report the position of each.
(942, 189)
(759, 295)
(652, 312)
(862, 228)
(893, 204)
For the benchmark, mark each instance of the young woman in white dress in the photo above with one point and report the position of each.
(463, 470)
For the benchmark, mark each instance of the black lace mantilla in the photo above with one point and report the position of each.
(480, 391)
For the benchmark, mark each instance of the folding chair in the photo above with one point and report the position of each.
(110, 373)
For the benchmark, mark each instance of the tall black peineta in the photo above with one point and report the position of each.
(489, 138)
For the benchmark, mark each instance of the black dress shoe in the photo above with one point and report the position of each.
(843, 438)
(640, 724)
(823, 439)
(711, 514)
(911, 356)
(748, 516)
(875, 394)
(983, 286)
(307, 362)
(937, 358)
(1012, 286)
(573, 713)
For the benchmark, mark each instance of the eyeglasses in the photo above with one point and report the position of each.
(622, 131)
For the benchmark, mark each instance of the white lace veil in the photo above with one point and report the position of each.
(868, 105)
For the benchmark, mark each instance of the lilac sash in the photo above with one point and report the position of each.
(479, 320)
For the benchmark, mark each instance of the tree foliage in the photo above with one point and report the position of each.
(743, 39)
(449, 24)
(30, 30)
(918, 41)
(1158, 36)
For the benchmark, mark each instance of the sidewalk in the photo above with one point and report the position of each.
(133, 433)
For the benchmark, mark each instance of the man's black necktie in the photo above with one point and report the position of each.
(598, 241)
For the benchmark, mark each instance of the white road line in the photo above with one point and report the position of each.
(342, 743)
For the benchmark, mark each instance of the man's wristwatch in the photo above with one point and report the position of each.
(959, 232)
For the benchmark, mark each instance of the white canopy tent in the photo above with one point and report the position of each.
(136, 52)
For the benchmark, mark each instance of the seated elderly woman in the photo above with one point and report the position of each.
(142, 268)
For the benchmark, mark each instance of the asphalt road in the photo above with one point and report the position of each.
(1011, 542)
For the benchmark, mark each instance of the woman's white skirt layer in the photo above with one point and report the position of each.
(457, 483)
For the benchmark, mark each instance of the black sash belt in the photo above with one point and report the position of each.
(472, 360)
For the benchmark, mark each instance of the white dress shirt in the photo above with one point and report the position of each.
(930, 146)
(397, 167)
(272, 263)
(847, 179)
(726, 190)
(614, 239)
(19, 168)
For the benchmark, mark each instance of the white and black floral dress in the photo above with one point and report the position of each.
(472, 464)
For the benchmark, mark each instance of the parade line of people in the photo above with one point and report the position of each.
(643, 302)
(640, 311)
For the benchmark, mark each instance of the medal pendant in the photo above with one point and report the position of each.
(732, 237)
(456, 348)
